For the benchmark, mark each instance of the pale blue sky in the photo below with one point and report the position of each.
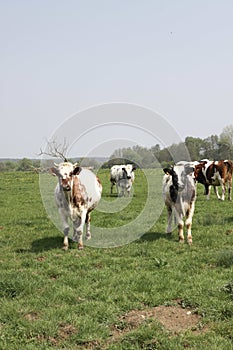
(60, 57)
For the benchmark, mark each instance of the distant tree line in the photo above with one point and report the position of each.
(24, 164)
(213, 147)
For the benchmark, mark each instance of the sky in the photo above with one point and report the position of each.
(60, 58)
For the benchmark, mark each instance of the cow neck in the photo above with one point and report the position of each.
(67, 194)
(76, 195)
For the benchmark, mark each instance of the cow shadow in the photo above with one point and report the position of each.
(43, 244)
(155, 236)
(46, 244)
(56, 242)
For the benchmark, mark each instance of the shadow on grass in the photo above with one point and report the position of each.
(44, 244)
(155, 236)
(50, 243)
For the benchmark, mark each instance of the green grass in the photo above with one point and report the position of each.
(52, 299)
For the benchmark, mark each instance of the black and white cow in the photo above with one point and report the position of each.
(123, 177)
(179, 193)
(77, 193)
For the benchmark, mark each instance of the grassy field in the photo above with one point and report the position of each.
(153, 293)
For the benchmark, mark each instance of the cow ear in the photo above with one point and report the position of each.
(134, 168)
(54, 171)
(167, 171)
(189, 170)
(76, 170)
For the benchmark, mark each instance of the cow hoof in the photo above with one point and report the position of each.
(181, 240)
(80, 246)
(65, 247)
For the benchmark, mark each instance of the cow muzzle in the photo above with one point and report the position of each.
(66, 187)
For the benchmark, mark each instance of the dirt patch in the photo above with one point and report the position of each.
(66, 331)
(32, 316)
(173, 318)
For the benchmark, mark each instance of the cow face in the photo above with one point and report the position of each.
(178, 175)
(128, 172)
(64, 172)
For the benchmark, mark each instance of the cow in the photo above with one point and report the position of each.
(123, 177)
(215, 173)
(77, 193)
(179, 194)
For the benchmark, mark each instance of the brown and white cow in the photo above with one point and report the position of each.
(215, 173)
(77, 193)
(179, 193)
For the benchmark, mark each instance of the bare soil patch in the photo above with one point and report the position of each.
(173, 318)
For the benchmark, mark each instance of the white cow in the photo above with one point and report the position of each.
(77, 193)
(123, 177)
(179, 193)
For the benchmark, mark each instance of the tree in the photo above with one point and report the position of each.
(226, 143)
(210, 148)
(194, 146)
(24, 164)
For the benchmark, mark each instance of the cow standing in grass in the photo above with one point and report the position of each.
(123, 177)
(77, 193)
(179, 193)
(215, 173)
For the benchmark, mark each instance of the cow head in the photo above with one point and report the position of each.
(128, 171)
(64, 172)
(178, 175)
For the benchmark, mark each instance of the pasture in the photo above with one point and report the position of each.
(152, 293)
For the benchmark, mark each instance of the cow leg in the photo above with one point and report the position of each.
(112, 184)
(223, 190)
(188, 222)
(216, 192)
(207, 191)
(181, 230)
(229, 190)
(76, 223)
(169, 220)
(118, 190)
(64, 218)
(88, 226)
(78, 229)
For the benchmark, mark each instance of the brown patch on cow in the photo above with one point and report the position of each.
(78, 192)
(99, 182)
